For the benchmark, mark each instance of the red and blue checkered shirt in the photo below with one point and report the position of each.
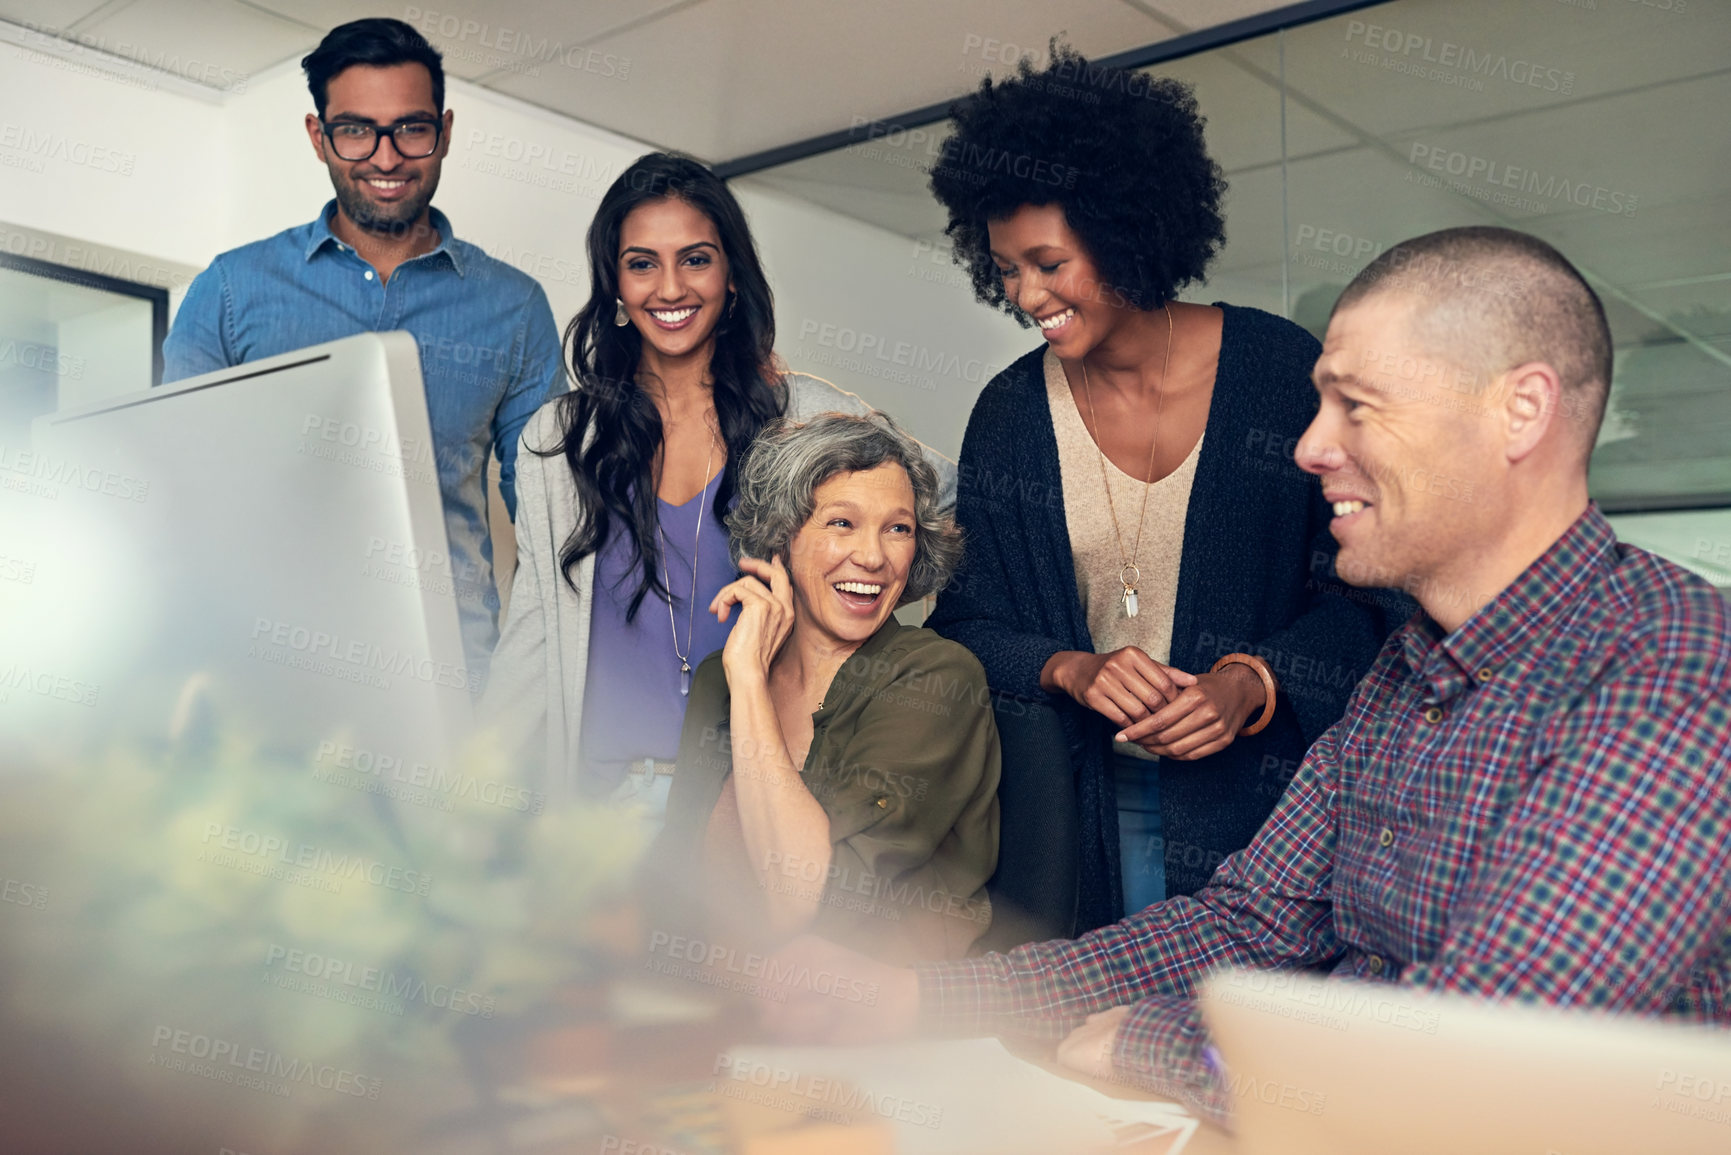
(1535, 806)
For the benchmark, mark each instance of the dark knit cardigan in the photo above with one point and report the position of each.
(1257, 574)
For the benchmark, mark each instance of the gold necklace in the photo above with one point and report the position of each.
(1128, 574)
(696, 546)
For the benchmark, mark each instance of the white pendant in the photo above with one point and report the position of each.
(685, 678)
(1129, 602)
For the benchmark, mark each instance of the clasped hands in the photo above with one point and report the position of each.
(1167, 712)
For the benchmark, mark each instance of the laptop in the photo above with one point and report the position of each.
(1322, 1065)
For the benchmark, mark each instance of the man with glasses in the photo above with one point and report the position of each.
(379, 258)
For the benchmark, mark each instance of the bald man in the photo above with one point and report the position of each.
(1529, 795)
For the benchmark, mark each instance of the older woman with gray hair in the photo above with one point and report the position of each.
(837, 771)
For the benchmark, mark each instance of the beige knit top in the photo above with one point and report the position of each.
(1094, 544)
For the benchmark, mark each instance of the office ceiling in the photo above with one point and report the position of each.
(716, 78)
(1624, 100)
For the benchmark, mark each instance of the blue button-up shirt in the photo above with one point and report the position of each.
(489, 358)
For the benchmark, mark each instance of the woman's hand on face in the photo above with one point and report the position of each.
(1202, 720)
(765, 600)
(1125, 685)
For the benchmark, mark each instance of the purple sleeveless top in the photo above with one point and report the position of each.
(632, 707)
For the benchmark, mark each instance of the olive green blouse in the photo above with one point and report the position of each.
(904, 760)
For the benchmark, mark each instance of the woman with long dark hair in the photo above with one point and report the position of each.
(625, 481)
(1160, 571)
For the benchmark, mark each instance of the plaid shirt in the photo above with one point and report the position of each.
(1535, 806)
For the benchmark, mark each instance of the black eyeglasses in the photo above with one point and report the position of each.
(413, 139)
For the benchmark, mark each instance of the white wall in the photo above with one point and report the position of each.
(108, 161)
(880, 314)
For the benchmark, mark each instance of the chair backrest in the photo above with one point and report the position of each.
(1033, 891)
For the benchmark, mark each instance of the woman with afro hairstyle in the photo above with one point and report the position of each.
(1142, 552)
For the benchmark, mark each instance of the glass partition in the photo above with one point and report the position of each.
(68, 337)
(1594, 124)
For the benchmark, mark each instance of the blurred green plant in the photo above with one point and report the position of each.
(183, 874)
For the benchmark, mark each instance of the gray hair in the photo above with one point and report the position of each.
(782, 469)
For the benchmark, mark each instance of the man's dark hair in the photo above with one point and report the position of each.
(377, 42)
(1121, 152)
(1492, 298)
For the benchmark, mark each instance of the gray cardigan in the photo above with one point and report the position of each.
(534, 698)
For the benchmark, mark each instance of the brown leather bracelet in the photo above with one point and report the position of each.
(1269, 688)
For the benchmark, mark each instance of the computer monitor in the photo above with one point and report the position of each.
(1352, 1068)
(264, 544)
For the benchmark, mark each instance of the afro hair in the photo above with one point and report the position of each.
(1121, 152)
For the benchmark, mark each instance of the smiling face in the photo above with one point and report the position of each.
(1049, 275)
(851, 558)
(673, 277)
(384, 193)
(1404, 451)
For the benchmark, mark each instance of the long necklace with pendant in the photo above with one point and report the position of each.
(696, 545)
(1128, 575)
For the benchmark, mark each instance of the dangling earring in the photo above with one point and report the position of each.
(620, 317)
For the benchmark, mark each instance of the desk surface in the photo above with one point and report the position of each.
(1206, 1140)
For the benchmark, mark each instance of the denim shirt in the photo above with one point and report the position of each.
(490, 357)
